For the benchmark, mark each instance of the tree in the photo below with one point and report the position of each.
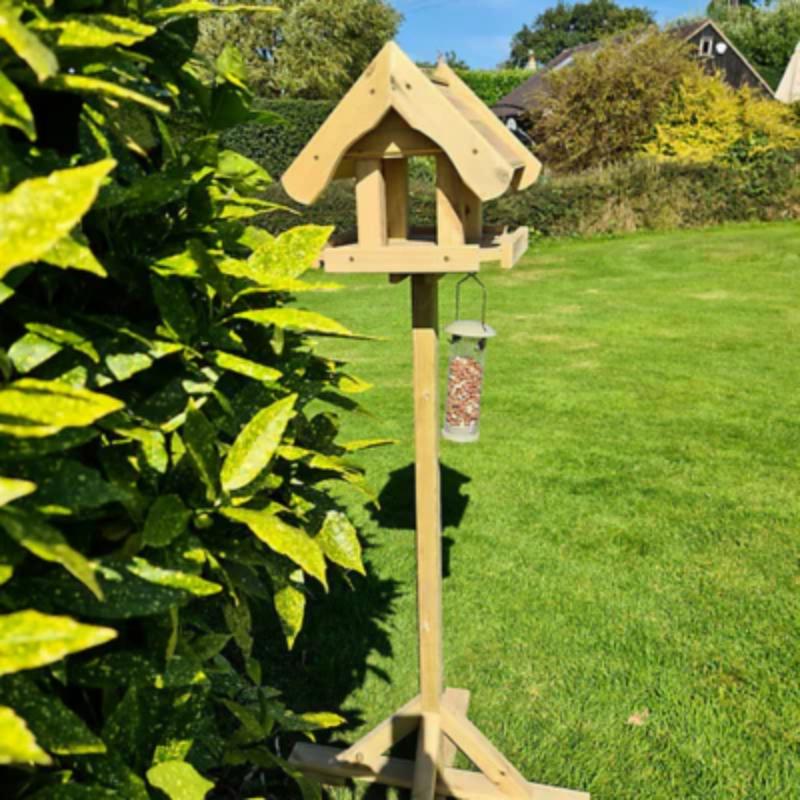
(313, 49)
(567, 25)
(766, 35)
(604, 107)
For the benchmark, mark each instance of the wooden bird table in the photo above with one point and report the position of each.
(393, 112)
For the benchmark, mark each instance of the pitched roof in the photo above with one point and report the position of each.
(789, 87)
(487, 156)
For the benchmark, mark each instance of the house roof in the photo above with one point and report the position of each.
(524, 96)
(487, 156)
(789, 87)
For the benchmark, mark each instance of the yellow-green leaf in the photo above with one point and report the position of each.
(25, 43)
(14, 111)
(172, 579)
(206, 7)
(288, 598)
(292, 253)
(47, 543)
(34, 408)
(30, 639)
(13, 489)
(339, 541)
(166, 520)
(97, 30)
(84, 84)
(367, 444)
(295, 319)
(283, 538)
(72, 252)
(17, 744)
(244, 366)
(179, 780)
(256, 444)
(39, 212)
(200, 439)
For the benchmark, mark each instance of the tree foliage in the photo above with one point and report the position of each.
(765, 34)
(167, 432)
(312, 49)
(567, 25)
(603, 107)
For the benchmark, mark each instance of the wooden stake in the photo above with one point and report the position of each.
(395, 171)
(449, 199)
(426, 771)
(473, 216)
(425, 316)
(371, 203)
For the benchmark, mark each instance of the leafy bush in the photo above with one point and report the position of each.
(492, 85)
(603, 108)
(275, 146)
(163, 473)
(707, 119)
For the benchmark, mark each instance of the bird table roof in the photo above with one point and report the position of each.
(442, 109)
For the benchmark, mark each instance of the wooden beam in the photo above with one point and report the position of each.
(484, 755)
(371, 203)
(384, 735)
(395, 172)
(472, 209)
(449, 198)
(457, 783)
(426, 769)
(425, 323)
(457, 700)
(409, 257)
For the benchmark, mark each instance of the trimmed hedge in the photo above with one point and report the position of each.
(275, 146)
(492, 85)
(640, 195)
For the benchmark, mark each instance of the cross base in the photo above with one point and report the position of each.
(440, 734)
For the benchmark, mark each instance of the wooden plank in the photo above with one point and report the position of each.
(457, 783)
(457, 700)
(513, 247)
(411, 258)
(484, 755)
(426, 769)
(393, 138)
(385, 734)
(425, 325)
(449, 198)
(472, 209)
(395, 173)
(371, 203)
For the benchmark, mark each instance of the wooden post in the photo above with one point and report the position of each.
(449, 200)
(395, 171)
(425, 316)
(371, 203)
(473, 217)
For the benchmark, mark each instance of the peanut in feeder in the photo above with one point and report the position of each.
(393, 112)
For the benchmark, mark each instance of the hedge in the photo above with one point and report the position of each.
(492, 85)
(640, 195)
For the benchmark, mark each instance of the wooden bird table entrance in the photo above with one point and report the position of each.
(392, 112)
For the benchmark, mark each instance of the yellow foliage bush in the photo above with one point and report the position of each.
(707, 118)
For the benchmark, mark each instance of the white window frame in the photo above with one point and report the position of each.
(706, 47)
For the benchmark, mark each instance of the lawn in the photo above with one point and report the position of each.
(622, 590)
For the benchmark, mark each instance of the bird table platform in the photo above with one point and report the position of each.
(393, 112)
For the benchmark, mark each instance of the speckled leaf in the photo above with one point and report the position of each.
(339, 541)
(200, 439)
(14, 111)
(132, 668)
(83, 84)
(47, 543)
(366, 444)
(205, 7)
(13, 489)
(283, 538)
(176, 308)
(256, 444)
(25, 43)
(17, 744)
(174, 579)
(30, 407)
(97, 30)
(240, 170)
(244, 366)
(288, 598)
(290, 254)
(57, 202)
(72, 252)
(179, 781)
(295, 319)
(30, 639)
(31, 351)
(166, 520)
(58, 729)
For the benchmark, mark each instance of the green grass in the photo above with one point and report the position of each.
(631, 536)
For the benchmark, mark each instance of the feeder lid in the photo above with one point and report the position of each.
(471, 329)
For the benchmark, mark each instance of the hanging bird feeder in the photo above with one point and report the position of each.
(468, 339)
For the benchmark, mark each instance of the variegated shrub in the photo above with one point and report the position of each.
(168, 440)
